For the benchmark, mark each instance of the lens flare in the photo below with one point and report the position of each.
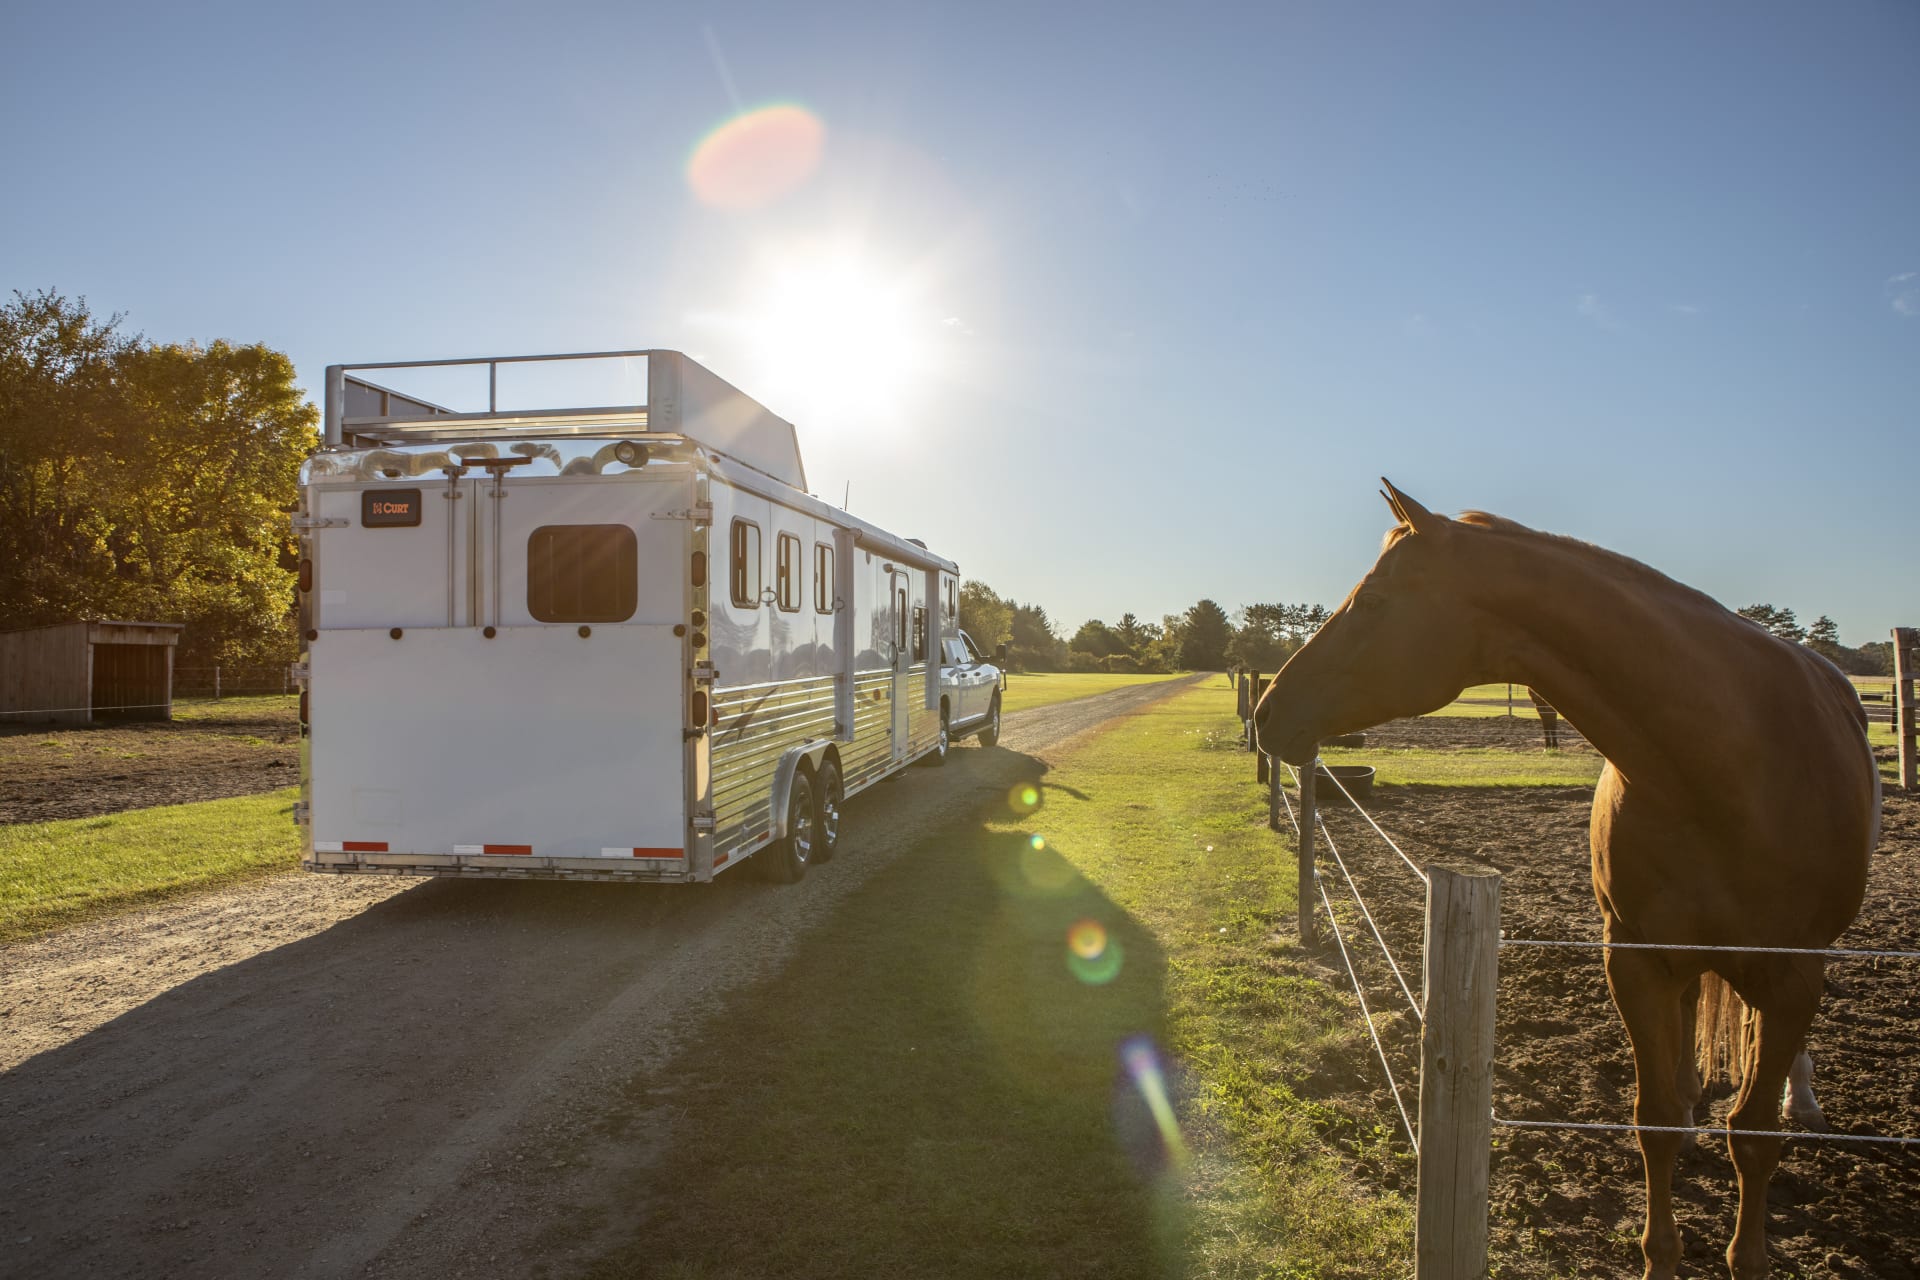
(1092, 956)
(1043, 874)
(1024, 799)
(1037, 841)
(756, 157)
(1142, 1062)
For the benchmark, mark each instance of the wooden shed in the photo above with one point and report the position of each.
(77, 672)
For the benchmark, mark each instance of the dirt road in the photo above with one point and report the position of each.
(322, 1077)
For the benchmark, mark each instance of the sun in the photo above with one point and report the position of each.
(838, 334)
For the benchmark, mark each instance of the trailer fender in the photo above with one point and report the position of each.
(809, 754)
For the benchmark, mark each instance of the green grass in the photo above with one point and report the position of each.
(934, 1084)
(1043, 689)
(54, 874)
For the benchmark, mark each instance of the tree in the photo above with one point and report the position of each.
(1097, 638)
(1204, 637)
(984, 615)
(1779, 621)
(1035, 645)
(147, 481)
(1823, 637)
(1133, 635)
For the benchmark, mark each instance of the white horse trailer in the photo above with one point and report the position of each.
(612, 643)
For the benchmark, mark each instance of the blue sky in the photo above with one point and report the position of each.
(1166, 287)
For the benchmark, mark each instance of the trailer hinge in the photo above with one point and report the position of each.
(299, 672)
(319, 522)
(299, 813)
(704, 674)
(703, 823)
(701, 513)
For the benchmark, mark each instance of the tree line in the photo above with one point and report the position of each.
(1875, 658)
(1202, 638)
(1261, 637)
(147, 481)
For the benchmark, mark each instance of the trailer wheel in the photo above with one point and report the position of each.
(787, 859)
(991, 734)
(831, 793)
(938, 756)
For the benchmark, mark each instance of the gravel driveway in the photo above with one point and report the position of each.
(327, 1076)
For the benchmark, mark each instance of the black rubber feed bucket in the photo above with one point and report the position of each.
(1356, 778)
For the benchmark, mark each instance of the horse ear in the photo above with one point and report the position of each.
(1412, 513)
(1392, 505)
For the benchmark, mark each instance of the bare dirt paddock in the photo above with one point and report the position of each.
(1569, 1203)
(319, 1076)
(213, 750)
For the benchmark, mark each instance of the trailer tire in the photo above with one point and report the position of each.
(991, 734)
(786, 859)
(830, 794)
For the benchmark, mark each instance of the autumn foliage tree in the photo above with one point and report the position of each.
(147, 481)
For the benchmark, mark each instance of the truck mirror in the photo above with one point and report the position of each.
(1000, 652)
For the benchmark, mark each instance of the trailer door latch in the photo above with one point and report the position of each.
(701, 513)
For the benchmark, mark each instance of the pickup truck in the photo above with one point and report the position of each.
(970, 689)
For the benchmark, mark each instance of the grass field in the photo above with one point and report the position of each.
(54, 874)
(1044, 688)
(1070, 1038)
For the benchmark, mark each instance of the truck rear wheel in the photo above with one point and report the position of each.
(787, 858)
(991, 734)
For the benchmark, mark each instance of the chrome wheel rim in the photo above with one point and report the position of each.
(802, 824)
(830, 817)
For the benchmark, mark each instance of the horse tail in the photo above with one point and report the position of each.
(1716, 1027)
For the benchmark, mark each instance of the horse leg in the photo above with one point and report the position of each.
(1800, 1105)
(1686, 1081)
(1648, 995)
(1773, 1036)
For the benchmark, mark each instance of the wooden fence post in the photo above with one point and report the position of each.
(1456, 1073)
(1307, 890)
(1905, 731)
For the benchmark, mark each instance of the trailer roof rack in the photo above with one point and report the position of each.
(683, 398)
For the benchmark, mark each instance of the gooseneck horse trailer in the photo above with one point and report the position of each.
(605, 643)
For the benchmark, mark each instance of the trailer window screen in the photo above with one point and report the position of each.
(786, 573)
(899, 620)
(919, 634)
(582, 573)
(822, 578)
(743, 576)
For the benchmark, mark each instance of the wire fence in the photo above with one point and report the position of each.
(1316, 832)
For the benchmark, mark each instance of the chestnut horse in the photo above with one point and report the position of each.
(1738, 805)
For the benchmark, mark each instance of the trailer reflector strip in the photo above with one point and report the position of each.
(652, 855)
(518, 849)
(327, 846)
(363, 846)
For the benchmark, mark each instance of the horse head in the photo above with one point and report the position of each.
(1402, 643)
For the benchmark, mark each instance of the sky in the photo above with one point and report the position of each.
(1119, 306)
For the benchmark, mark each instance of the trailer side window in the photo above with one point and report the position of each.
(822, 578)
(582, 573)
(743, 577)
(899, 620)
(919, 634)
(786, 573)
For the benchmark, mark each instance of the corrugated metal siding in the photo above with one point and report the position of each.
(757, 724)
(760, 723)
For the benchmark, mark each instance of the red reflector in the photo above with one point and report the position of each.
(506, 848)
(363, 846)
(659, 853)
(721, 861)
